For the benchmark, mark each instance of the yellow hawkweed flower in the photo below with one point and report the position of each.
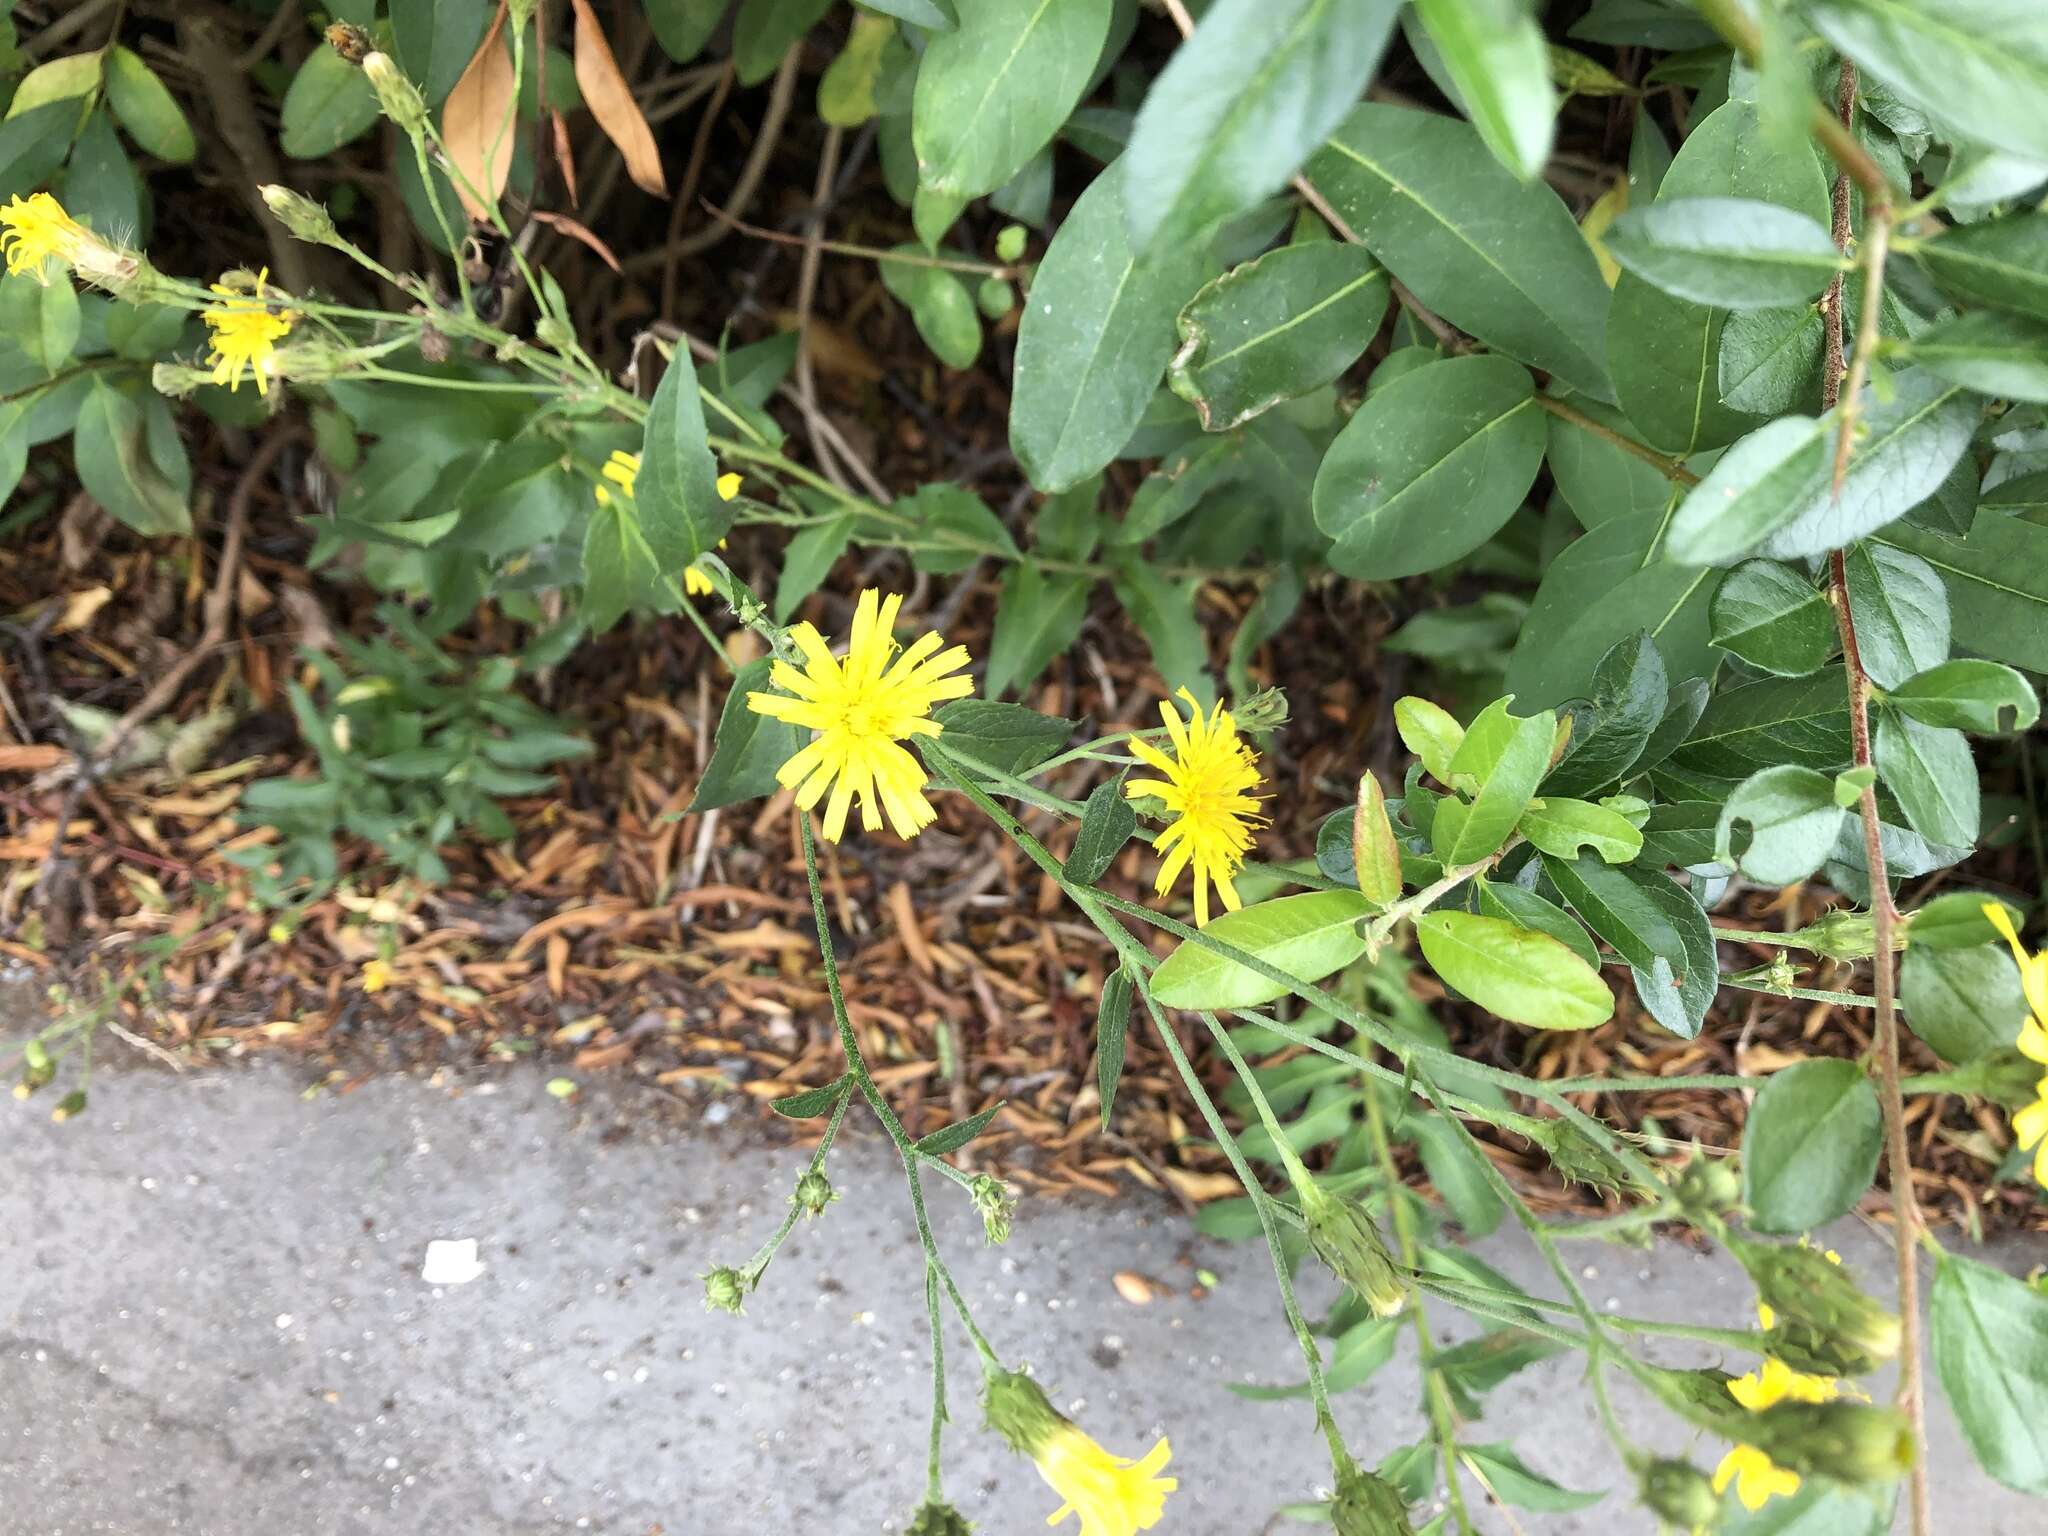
(862, 709)
(1206, 787)
(246, 330)
(2033, 1041)
(2030, 1129)
(1112, 1495)
(377, 975)
(623, 470)
(1755, 1475)
(37, 229)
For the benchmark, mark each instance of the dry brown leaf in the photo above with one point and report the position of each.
(610, 100)
(565, 154)
(79, 608)
(576, 231)
(478, 123)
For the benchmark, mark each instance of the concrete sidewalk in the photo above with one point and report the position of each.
(212, 1322)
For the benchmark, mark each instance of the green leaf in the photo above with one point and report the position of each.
(1007, 737)
(1932, 775)
(683, 27)
(765, 30)
(63, 79)
(33, 144)
(1495, 55)
(1664, 352)
(1969, 695)
(1773, 617)
(1507, 772)
(2000, 262)
(1731, 252)
(1240, 105)
(1810, 1148)
(434, 40)
(1430, 467)
(1793, 821)
(1096, 334)
(813, 1102)
(328, 103)
(1770, 360)
(1276, 328)
(954, 528)
(1164, 611)
(1653, 925)
(1803, 720)
(1525, 909)
(951, 1138)
(1999, 355)
(1178, 486)
(1107, 822)
(1510, 1478)
(1962, 1002)
(1430, 732)
(40, 318)
(1611, 729)
(939, 304)
(1990, 1340)
(1460, 1179)
(1111, 1025)
(748, 748)
(1681, 832)
(1562, 827)
(146, 107)
(1599, 481)
(682, 515)
(1996, 581)
(1956, 920)
(119, 466)
(1425, 199)
(1375, 856)
(1901, 611)
(993, 92)
(1515, 973)
(808, 559)
(1038, 617)
(1306, 936)
(846, 91)
(1818, 1509)
(1981, 65)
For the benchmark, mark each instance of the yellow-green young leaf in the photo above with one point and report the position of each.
(1514, 973)
(1374, 853)
(1955, 920)
(1991, 1352)
(846, 91)
(146, 108)
(1562, 827)
(1307, 937)
(1810, 1148)
(1429, 731)
(1507, 758)
(1578, 75)
(58, 80)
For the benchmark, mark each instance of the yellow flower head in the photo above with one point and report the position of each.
(2030, 1129)
(246, 330)
(2033, 1040)
(1112, 1495)
(863, 708)
(377, 975)
(1755, 1475)
(1207, 787)
(37, 228)
(623, 470)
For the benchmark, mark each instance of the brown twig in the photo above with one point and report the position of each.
(693, 172)
(780, 95)
(806, 296)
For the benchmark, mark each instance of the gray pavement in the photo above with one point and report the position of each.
(212, 1323)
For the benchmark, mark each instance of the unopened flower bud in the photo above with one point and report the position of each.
(1265, 710)
(177, 380)
(1819, 1319)
(813, 1193)
(939, 1520)
(1852, 1443)
(1844, 935)
(1574, 1155)
(1347, 1240)
(1679, 1494)
(1707, 1187)
(398, 96)
(725, 1290)
(298, 213)
(995, 1205)
(70, 1107)
(1368, 1505)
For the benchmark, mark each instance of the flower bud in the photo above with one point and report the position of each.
(725, 1289)
(995, 1205)
(397, 95)
(1699, 1397)
(1017, 1408)
(298, 213)
(813, 1193)
(1679, 1494)
(939, 1520)
(177, 380)
(1575, 1156)
(1265, 710)
(1347, 1240)
(1845, 935)
(1707, 1187)
(1819, 1319)
(1368, 1505)
(1852, 1443)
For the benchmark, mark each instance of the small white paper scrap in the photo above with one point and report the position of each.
(451, 1261)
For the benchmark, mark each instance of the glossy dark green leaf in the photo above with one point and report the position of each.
(1038, 616)
(993, 91)
(1519, 974)
(1096, 334)
(1241, 104)
(1996, 581)
(1428, 200)
(1107, 822)
(1774, 618)
(1901, 611)
(2021, 496)
(1785, 821)
(2000, 262)
(1990, 1340)
(33, 143)
(1970, 695)
(1276, 328)
(1930, 772)
(681, 512)
(1653, 925)
(1599, 481)
(1612, 727)
(146, 107)
(1430, 467)
(813, 1102)
(1007, 737)
(951, 1138)
(328, 103)
(1681, 832)
(1183, 479)
(764, 30)
(1112, 1022)
(434, 40)
(1962, 1002)
(748, 748)
(1998, 355)
(1802, 720)
(1770, 360)
(1729, 252)
(1810, 1148)
(1494, 53)
(1306, 936)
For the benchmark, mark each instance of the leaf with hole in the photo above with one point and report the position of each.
(1969, 695)
(1788, 820)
